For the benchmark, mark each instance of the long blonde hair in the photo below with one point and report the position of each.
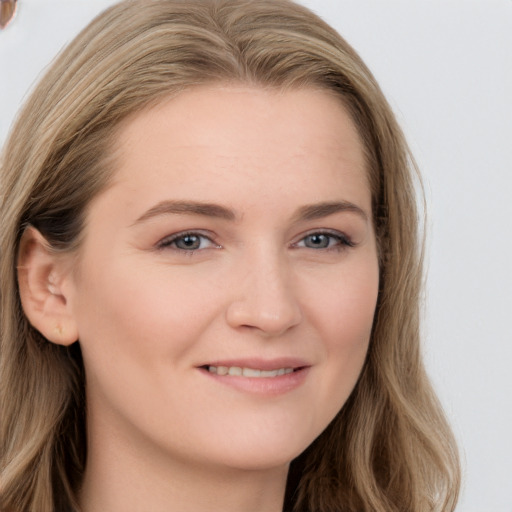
(389, 448)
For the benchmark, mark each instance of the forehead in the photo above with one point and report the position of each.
(227, 138)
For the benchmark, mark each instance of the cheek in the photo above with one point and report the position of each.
(348, 333)
(344, 305)
(138, 330)
(344, 318)
(137, 312)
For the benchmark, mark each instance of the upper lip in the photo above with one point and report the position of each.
(260, 364)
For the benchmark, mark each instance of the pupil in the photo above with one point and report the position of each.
(318, 241)
(189, 242)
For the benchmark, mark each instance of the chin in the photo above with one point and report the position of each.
(261, 460)
(262, 453)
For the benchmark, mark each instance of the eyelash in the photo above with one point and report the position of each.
(342, 241)
(167, 243)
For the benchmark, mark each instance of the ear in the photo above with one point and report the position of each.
(42, 274)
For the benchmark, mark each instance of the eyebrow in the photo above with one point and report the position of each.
(320, 210)
(304, 213)
(187, 208)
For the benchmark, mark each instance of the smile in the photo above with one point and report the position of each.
(248, 372)
(258, 376)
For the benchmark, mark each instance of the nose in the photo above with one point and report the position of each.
(264, 299)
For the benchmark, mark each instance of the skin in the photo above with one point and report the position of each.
(163, 434)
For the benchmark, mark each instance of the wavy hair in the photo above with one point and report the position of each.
(389, 449)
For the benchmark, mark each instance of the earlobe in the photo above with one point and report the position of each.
(41, 275)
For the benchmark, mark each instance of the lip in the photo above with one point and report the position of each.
(260, 364)
(269, 386)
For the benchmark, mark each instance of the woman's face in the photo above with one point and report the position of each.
(236, 238)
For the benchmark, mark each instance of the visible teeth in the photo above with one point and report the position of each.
(248, 372)
(269, 373)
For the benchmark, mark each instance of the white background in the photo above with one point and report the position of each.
(446, 67)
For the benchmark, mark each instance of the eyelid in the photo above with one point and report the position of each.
(344, 239)
(167, 241)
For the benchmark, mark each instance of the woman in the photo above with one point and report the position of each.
(210, 275)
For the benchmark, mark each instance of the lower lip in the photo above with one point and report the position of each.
(261, 385)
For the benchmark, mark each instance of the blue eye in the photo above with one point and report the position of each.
(188, 242)
(325, 240)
